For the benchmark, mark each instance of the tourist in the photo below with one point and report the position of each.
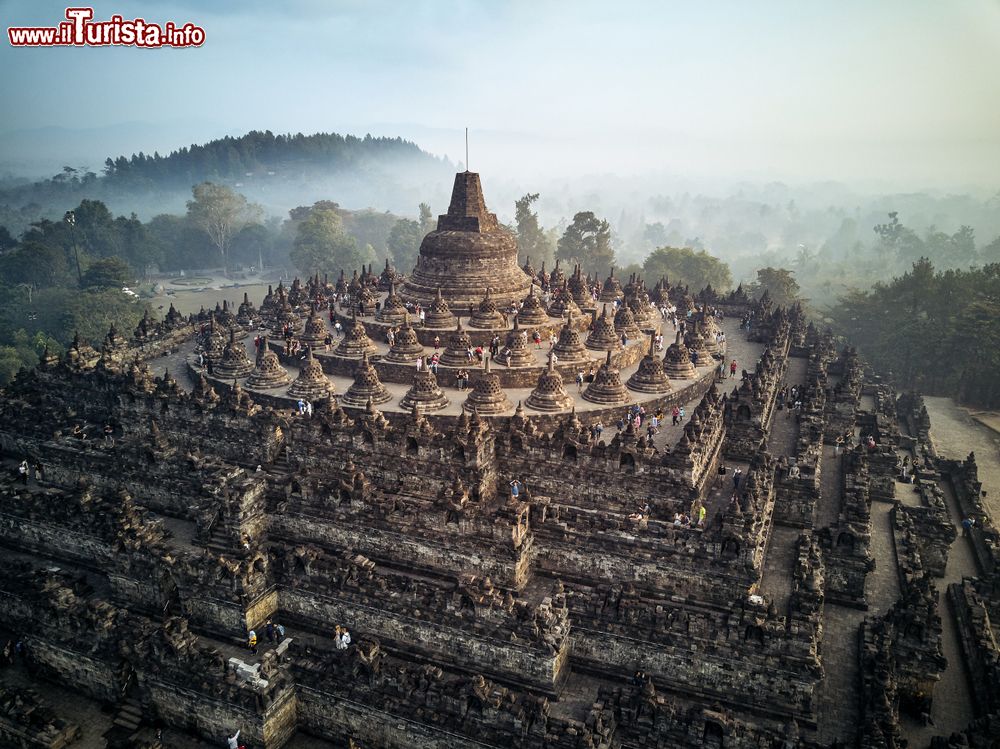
(338, 328)
(599, 429)
(682, 413)
(437, 342)
(590, 374)
(327, 341)
(462, 379)
(234, 741)
(435, 358)
(39, 471)
(537, 338)
(579, 380)
(732, 369)
(279, 632)
(252, 642)
(552, 340)
(309, 409)
(506, 356)
(675, 414)
(420, 364)
(624, 339)
(342, 638)
(694, 357)
(967, 525)
(515, 489)
(469, 354)
(269, 631)
(22, 471)
(109, 435)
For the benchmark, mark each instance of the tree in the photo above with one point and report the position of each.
(587, 240)
(135, 244)
(780, 285)
(404, 243)
(899, 242)
(991, 252)
(532, 241)
(7, 242)
(683, 265)
(111, 272)
(220, 213)
(426, 219)
(322, 246)
(36, 264)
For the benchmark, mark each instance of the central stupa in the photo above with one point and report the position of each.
(467, 253)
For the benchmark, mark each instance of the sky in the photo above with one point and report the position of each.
(899, 92)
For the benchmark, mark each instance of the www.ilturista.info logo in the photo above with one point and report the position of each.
(80, 31)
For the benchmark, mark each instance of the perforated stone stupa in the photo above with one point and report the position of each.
(649, 377)
(439, 314)
(607, 388)
(517, 345)
(457, 352)
(356, 341)
(532, 312)
(315, 330)
(235, 361)
(393, 310)
(367, 387)
(549, 394)
(311, 383)
(487, 397)
(603, 337)
(406, 348)
(424, 393)
(487, 314)
(269, 372)
(677, 361)
(569, 348)
(467, 252)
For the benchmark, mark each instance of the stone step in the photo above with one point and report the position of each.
(130, 711)
(126, 723)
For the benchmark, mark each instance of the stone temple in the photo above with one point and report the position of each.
(468, 253)
(518, 564)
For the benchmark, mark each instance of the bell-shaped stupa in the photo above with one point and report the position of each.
(467, 252)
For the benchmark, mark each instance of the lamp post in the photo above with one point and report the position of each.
(70, 218)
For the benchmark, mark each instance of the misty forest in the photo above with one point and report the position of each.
(910, 278)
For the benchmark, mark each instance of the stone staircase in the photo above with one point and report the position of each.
(219, 541)
(126, 728)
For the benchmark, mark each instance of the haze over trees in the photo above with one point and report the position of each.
(62, 247)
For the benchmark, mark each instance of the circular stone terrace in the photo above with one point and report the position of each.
(517, 383)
